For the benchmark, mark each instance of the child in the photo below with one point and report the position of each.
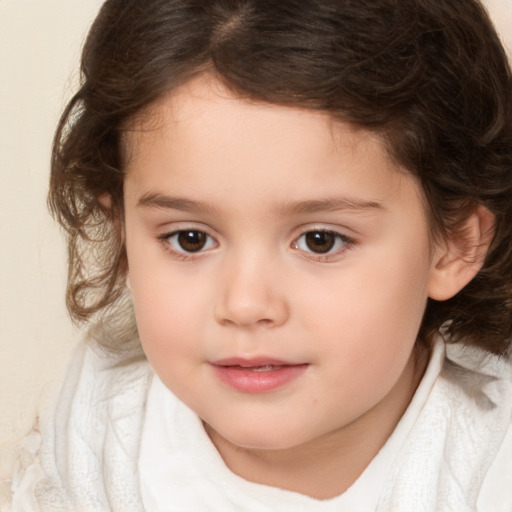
(307, 206)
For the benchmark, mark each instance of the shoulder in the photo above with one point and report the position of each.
(480, 389)
(496, 493)
(26, 474)
(475, 379)
(90, 434)
(459, 437)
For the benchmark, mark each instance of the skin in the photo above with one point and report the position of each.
(255, 177)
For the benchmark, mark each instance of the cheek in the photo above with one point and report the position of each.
(167, 305)
(170, 333)
(369, 315)
(164, 315)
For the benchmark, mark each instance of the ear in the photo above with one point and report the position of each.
(459, 258)
(105, 200)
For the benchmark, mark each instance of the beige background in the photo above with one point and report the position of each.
(39, 47)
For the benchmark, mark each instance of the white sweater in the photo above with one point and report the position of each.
(118, 440)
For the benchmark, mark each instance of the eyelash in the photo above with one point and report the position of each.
(167, 241)
(341, 242)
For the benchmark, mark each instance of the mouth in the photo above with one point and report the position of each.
(253, 362)
(261, 375)
(266, 368)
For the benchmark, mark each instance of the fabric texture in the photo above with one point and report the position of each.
(118, 440)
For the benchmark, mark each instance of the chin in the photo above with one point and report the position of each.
(269, 438)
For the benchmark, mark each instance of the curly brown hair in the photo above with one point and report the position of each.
(429, 77)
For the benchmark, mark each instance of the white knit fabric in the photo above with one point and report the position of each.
(111, 446)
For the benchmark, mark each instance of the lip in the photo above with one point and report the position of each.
(257, 375)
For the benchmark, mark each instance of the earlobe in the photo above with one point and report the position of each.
(105, 200)
(457, 261)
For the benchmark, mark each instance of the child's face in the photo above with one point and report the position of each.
(272, 238)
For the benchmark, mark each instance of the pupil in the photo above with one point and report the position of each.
(192, 241)
(320, 241)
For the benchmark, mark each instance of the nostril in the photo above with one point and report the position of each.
(265, 322)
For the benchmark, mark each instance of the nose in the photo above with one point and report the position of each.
(251, 296)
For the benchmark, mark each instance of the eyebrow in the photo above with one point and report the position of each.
(161, 201)
(330, 204)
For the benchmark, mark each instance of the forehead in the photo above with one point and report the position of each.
(204, 109)
(201, 138)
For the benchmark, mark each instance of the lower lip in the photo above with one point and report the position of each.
(252, 381)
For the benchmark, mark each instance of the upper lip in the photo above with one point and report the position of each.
(253, 362)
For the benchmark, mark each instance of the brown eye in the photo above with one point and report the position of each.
(190, 240)
(320, 241)
(187, 241)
